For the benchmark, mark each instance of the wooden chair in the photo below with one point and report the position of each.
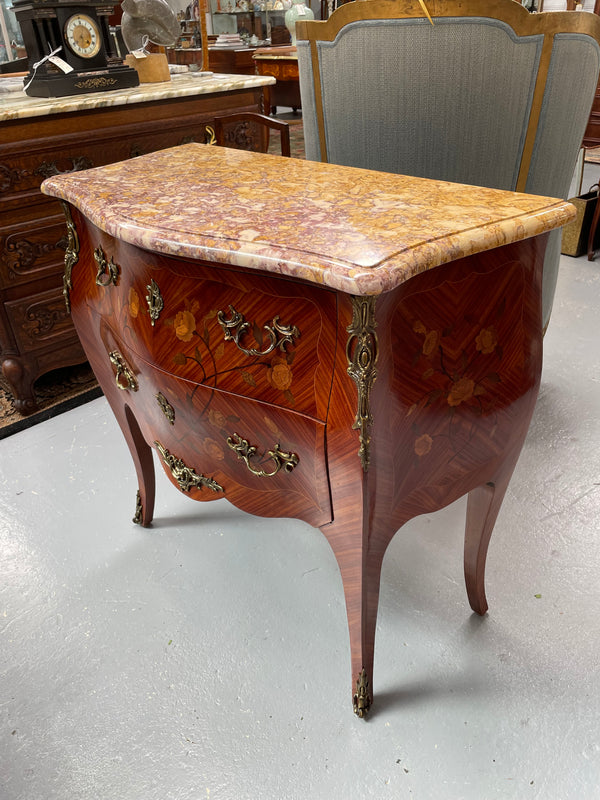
(250, 131)
(488, 94)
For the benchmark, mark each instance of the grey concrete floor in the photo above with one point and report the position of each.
(207, 658)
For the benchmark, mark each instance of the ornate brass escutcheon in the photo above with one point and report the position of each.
(185, 476)
(236, 327)
(125, 378)
(108, 271)
(166, 407)
(71, 255)
(246, 451)
(362, 368)
(154, 300)
(362, 700)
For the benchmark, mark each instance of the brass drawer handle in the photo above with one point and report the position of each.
(236, 327)
(108, 271)
(125, 378)
(246, 451)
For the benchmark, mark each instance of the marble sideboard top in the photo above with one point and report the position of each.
(357, 231)
(15, 104)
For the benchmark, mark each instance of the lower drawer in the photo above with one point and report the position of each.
(265, 460)
(39, 320)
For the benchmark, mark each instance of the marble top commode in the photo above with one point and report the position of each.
(356, 231)
(345, 347)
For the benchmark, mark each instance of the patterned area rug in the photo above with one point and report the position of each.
(67, 388)
(56, 391)
(296, 137)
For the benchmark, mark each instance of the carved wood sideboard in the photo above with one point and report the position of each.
(345, 347)
(40, 138)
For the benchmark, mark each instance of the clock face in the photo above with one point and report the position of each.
(83, 35)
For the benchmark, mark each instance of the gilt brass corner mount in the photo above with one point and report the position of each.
(362, 698)
(362, 354)
(139, 511)
(71, 255)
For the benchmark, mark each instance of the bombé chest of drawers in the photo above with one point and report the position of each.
(340, 346)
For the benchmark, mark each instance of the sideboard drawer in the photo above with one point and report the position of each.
(32, 245)
(39, 320)
(251, 335)
(265, 460)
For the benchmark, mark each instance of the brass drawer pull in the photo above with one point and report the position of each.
(108, 271)
(185, 476)
(236, 327)
(125, 378)
(246, 451)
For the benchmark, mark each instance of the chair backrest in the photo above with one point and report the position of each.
(488, 94)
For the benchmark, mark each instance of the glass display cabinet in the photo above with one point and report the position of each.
(247, 19)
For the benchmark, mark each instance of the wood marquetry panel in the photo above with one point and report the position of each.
(462, 377)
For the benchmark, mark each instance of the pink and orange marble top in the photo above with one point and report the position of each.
(356, 231)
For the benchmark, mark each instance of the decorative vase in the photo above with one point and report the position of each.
(299, 10)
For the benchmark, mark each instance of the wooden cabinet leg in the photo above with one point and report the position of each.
(483, 506)
(141, 453)
(20, 380)
(360, 568)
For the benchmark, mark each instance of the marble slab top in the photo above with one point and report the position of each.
(18, 105)
(354, 230)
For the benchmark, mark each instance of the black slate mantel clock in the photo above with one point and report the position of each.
(79, 31)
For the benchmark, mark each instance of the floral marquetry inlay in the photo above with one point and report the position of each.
(459, 375)
(271, 364)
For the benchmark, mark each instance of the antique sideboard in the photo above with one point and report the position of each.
(282, 64)
(345, 347)
(42, 137)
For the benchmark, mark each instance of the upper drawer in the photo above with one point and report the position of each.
(32, 245)
(245, 333)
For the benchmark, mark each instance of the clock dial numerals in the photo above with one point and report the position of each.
(82, 35)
